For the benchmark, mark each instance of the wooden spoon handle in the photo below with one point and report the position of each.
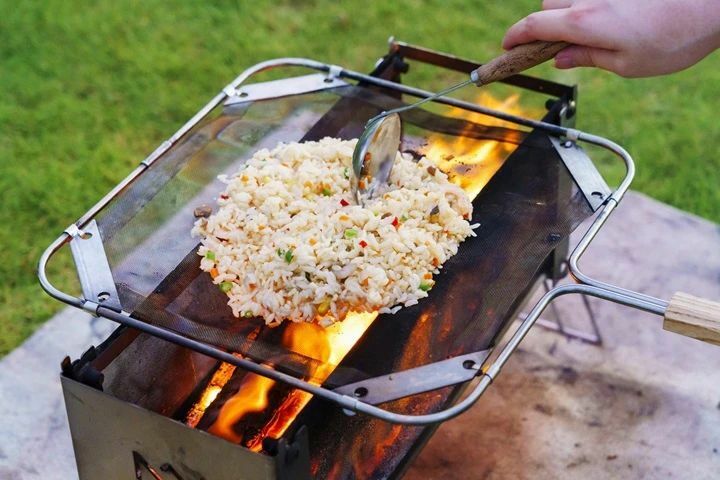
(516, 60)
(693, 317)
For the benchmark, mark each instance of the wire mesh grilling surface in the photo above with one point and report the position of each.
(528, 208)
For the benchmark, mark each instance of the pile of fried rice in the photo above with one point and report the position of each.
(288, 241)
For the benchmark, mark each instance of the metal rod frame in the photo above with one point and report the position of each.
(559, 327)
(585, 286)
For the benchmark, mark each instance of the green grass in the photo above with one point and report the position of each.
(87, 89)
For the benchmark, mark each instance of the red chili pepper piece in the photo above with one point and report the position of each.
(344, 202)
(224, 197)
(395, 222)
(363, 243)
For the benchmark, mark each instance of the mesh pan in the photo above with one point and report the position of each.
(528, 207)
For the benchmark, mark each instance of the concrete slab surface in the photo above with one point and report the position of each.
(34, 433)
(644, 405)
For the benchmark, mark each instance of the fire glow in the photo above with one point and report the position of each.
(326, 347)
(469, 163)
(208, 396)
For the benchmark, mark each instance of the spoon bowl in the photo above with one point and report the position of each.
(374, 156)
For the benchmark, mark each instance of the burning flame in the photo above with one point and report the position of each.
(251, 397)
(325, 346)
(470, 163)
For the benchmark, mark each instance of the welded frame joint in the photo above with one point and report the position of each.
(93, 268)
(582, 169)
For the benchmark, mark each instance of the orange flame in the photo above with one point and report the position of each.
(251, 397)
(470, 163)
(325, 346)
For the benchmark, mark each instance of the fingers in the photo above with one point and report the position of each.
(549, 25)
(576, 25)
(555, 4)
(576, 56)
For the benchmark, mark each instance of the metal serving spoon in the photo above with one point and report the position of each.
(377, 147)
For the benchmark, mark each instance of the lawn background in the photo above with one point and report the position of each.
(88, 89)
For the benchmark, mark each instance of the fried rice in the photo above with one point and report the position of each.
(288, 242)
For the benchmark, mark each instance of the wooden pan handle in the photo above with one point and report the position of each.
(693, 317)
(516, 60)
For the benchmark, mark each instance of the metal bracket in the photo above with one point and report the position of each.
(583, 171)
(417, 380)
(285, 87)
(93, 267)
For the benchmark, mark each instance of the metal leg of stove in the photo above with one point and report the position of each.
(549, 284)
(594, 337)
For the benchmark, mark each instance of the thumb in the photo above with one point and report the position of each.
(578, 56)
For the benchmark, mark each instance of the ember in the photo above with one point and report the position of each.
(217, 382)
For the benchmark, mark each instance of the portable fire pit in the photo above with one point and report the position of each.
(182, 389)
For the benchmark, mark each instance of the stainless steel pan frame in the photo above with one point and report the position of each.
(349, 402)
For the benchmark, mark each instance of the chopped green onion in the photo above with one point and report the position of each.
(425, 286)
(210, 255)
(347, 172)
(350, 233)
(225, 286)
(280, 252)
(289, 256)
(326, 191)
(403, 218)
(248, 314)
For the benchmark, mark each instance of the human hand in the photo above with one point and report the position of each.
(633, 38)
